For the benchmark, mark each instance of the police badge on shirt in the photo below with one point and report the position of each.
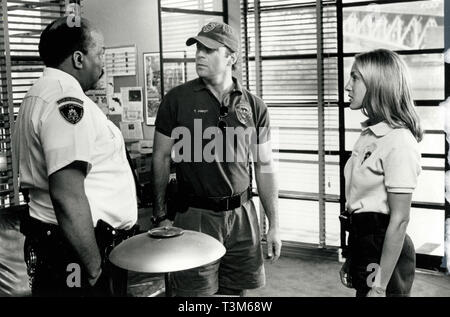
(243, 112)
(71, 109)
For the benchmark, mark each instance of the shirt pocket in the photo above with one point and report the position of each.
(118, 142)
(108, 144)
(373, 165)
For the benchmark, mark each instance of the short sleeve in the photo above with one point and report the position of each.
(67, 134)
(402, 168)
(262, 122)
(166, 116)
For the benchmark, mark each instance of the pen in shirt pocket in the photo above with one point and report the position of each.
(368, 152)
(366, 156)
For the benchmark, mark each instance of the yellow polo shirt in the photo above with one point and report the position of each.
(384, 159)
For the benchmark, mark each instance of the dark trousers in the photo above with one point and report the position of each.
(367, 233)
(55, 269)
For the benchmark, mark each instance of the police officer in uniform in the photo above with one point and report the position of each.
(72, 162)
(215, 111)
(380, 178)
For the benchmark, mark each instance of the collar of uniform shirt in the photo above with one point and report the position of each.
(380, 129)
(69, 79)
(199, 85)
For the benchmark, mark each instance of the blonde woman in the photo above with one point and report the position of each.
(380, 177)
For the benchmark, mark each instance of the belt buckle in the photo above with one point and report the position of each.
(236, 200)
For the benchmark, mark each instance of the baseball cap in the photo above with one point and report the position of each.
(214, 35)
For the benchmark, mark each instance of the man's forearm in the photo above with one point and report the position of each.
(268, 193)
(75, 220)
(161, 172)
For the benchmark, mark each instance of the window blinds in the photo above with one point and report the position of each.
(20, 66)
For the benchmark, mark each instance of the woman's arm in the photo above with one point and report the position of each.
(400, 205)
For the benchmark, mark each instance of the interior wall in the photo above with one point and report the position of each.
(125, 22)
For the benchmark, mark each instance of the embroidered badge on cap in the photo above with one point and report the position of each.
(71, 109)
(243, 112)
(209, 27)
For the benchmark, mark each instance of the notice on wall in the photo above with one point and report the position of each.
(115, 103)
(132, 103)
(132, 130)
(120, 61)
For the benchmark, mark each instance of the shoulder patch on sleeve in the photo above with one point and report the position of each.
(69, 99)
(71, 109)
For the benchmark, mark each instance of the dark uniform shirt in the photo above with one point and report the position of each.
(190, 114)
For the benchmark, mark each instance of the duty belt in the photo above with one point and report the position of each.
(220, 204)
(37, 229)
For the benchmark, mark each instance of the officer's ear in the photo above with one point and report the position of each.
(77, 59)
(233, 58)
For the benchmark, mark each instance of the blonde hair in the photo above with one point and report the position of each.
(388, 96)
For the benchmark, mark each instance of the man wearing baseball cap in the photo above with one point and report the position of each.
(215, 191)
(215, 35)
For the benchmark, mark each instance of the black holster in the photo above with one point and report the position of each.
(345, 219)
(346, 226)
(176, 202)
(108, 237)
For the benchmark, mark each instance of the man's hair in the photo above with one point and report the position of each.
(59, 40)
(388, 96)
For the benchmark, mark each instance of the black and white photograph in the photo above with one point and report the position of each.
(250, 154)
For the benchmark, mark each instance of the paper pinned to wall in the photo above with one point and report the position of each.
(120, 61)
(115, 103)
(132, 130)
(132, 103)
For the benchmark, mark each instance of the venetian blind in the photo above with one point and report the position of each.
(20, 66)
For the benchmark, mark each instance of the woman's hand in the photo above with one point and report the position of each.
(345, 275)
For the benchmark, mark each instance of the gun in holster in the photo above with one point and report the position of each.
(46, 244)
(108, 237)
(346, 221)
(176, 201)
(346, 224)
